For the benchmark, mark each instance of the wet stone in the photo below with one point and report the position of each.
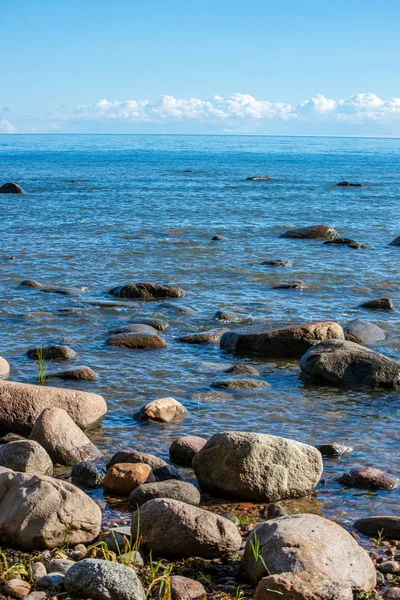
(239, 384)
(379, 304)
(334, 450)
(369, 478)
(278, 263)
(87, 474)
(56, 352)
(242, 370)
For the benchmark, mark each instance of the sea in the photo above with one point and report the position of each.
(104, 210)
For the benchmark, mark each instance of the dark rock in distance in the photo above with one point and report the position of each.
(340, 241)
(31, 283)
(217, 238)
(56, 352)
(395, 242)
(334, 450)
(278, 263)
(11, 188)
(147, 291)
(313, 232)
(348, 184)
(379, 304)
(239, 384)
(357, 246)
(259, 178)
(296, 284)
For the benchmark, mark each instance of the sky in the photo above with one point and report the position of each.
(290, 67)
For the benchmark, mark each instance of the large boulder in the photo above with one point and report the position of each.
(388, 525)
(313, 232)
(62, 439)
(26, 456)
(147, 291)
(255, 466)
(172, 488)
(282, 342)
(301, 586)
(175, 529)
(363, 332)
(4, 368)
(22, 403)
(39, 512)
(344, 363)
(11, 188)
(309, 543)
(103, 580)
(163, 410)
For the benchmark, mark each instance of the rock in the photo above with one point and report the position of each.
(183, 449)
(118, 539)
(166, 473)
(296, 284)
(395, 242)
(136, 341)
(52, 353)
(389, 525)
(239, 384)
(225, 315)
(103, 580)
(22, 403)
(285, 342)
(348, 184)
(313, 232)
(203, 337)
(38, 570)
(278, 263)
(147, 291)
(191, 531)
(340, 241)
(392, 593)
(132, 456)
(122, 478)
(163, 410)
(242, 370)
(389, 566)
(64, 441)
(217, 238)
(258, 467)
(39, 512)
(363, 332)
(177, 308)
(211, 397)
(300, 586)
(369, 478)
(79, 374)
(183, 588)
(342, 363)
(173, 488)
(11, 188)
(52, 581)
(26, 456)
(31, 283)
(64, 291)
(380, 304)
(309, 543)
(131, 559)
(158, 324)
(134, 328)
(356, 246)
(59, 565)
(15, 588)
(87, 474)
(334, 450)
(259, 178)
(11, 437)
(4, 368)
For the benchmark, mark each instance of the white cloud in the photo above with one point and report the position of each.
(6, 126)
(238, 107)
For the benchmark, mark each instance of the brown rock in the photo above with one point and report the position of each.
(31, 283)
(132, 456)
(56, 352)
(340, 241)
(392, 593)
(134, 328)
(22, 403)
(313, 232)
(122, 478)
(183, 588)
(242, 370)
(16, 588)
(370, 478)
(65, 443)
(300, 586)
(163, 410)
(11, 188)
(380, 304)
(78, 374)
(136, 341)
(239, 384)
(183, 449)
(158, 324)
(203, 337)
(147, 291)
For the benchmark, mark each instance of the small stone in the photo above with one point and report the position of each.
(131, 559)
(242, 370)
(166, 472)
(278, 263)
(52, 581)
(87, 474)
(239, 384)
(183, 588)
(183, 449)
(132, 456)
(392, 594)
(334, 450)
(122, 478)
(38, 570)
(16, 588)
(359, 246)
(118, 539)
(369, 478)
(340, 241)
(163, 410)
(380, 304)
(56, 352)
(389, 566)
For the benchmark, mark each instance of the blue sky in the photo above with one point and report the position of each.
(173, 66)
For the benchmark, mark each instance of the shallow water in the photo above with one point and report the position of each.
(104, 210)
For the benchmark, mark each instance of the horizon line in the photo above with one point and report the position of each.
(380, 137)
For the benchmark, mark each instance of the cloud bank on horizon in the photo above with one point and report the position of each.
(235, 113)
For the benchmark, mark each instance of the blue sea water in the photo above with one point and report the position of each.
(102, 210)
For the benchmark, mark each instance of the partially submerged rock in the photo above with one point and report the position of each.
(147, 291)
(56, 352)
(87, 474)
(363, 332)
(295, 284)
(258, 467)
(163, 410)
(379, 304)
(31, 283)
(203, 337)
(172, 488)
(348, 184)
(11, 188)
(395, 242)
(22, 403)
(65, 443)
(26, 456)
(240, 369)
(334, 450)
(191, 531)
(281, 342)
(39, 512)
(340, 241)
(387, 525)
(278, 263)
(158, 324)
(313, 232)
(343, 363)
(134, 328)
(136, 341)
(78, 374)
(259, 178)
(309, 543)
(369, 478)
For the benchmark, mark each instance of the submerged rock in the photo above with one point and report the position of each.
(11, 188)
(203, 337)
(363, 332)
(309, 543)
(334, 450)
(64, 291)
(343, 363)
(286, 342)
(163, 410)
(225, 315)
(31, 283)
(39, 512)
(78, 374)
(56, 352)
(26, 456)
(217, 238)
(258, 467)
(313, 232)
(122, 478)
(379, 304)
(136, 341)
(369, 478)
(158, 324)
(191, 531)
(295, 284)
(357, 246)
(183, 449)
(242, 370)
(259, 178)
(147, 291)
(239, 384)
(278, 263)
(348, 184)
(388, 525)
(172, 488)
(22, 403)
(340, 241)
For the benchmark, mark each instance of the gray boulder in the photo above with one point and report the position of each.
(103, 580)
(363, 332)
(172, 488)
(147, 291)
(343, 363)
(255, 466)
(183, 449)
(134, 328)
(313, 232)
(39, 512)
(26, 456)
(309, 543)
(62, 439)
(286, 342)
(175, 529)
